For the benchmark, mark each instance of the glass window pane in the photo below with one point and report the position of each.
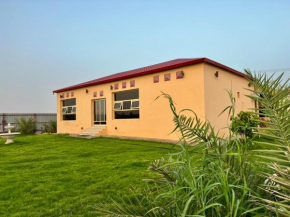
(135, 104)
(100, 112)
(69, 117)
(69, 109)
(102, 104)
(118, 105)
(69, 102)
(95, 110)
(127, 105)
(64, 110)
(126, 95)
(127, 114)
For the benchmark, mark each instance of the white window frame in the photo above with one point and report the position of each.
(135, 108)
(68, 113)
(122, 108)
(121, 105)
(74, 107)
(63, 111)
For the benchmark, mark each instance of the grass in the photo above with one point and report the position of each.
(57, 175)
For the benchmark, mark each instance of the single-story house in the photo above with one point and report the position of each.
(124, 104)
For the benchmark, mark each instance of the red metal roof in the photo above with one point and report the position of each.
(148, 70)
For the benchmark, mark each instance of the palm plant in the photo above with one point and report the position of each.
(274, 96)
(50, 127)
(211, 175)
(25, 126)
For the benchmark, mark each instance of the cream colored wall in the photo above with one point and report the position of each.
(217, 99)
(155, 116)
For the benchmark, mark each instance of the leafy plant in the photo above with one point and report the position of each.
(245, 124)
(216, 176)
(25, 126)
(50, 127)
(274, 96)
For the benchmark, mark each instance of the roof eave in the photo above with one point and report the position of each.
(196, 61)
(88, 84)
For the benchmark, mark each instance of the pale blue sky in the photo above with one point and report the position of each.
(46, 45)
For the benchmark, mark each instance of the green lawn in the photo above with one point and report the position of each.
(57, 175)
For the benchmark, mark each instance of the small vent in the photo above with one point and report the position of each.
(156, 79)
(179, 74)
(167, 77)
(116, 86)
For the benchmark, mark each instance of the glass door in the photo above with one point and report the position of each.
(100, 112)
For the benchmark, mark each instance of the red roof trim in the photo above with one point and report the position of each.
(225, 67)
(149, 70)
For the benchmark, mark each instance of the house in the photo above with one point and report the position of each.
(124, 104)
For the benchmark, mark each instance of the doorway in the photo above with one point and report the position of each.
(100, 116)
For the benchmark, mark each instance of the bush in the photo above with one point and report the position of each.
(215, 176)
(245, 124)
(50, 127)
(25, 126)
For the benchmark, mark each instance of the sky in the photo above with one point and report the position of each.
(48, 45)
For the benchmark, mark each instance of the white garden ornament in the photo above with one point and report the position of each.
(9, 136)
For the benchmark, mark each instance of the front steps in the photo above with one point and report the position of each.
(93, 130)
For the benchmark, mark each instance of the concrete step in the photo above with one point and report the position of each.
(86, 136)
(93, 130)
(87, 133)
(96, 128)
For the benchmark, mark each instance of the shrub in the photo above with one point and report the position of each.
(245, 124)
(50, 127)
(273, 94)
(25, 126)
(215, 176)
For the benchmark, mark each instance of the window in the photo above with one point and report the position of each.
(64, 110)
(135, 104)
(69, 109)
(74, 109)
(69, 102)
(118, 106)
(127, 114)
(126, 105)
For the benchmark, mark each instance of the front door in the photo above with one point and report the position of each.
(100, 112)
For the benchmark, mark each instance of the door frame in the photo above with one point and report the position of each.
(94, 112)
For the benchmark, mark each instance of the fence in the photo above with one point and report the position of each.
(39, 119)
